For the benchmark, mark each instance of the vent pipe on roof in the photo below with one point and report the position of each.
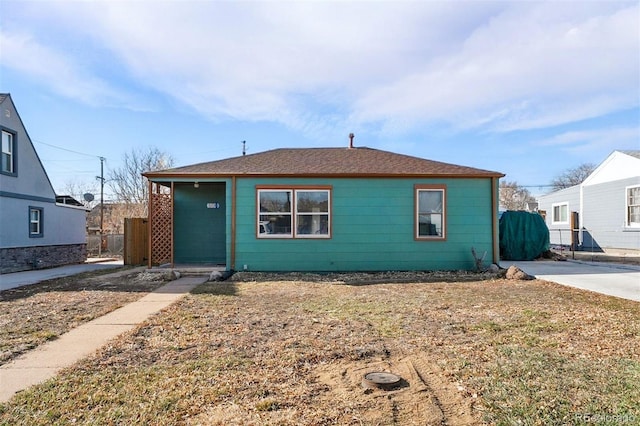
(351, 135)
(244, 146)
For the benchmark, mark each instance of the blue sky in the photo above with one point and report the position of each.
(528, 89)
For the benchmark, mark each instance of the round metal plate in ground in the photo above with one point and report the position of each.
(381, 380)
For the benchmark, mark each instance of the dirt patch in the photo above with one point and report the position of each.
(34, 314)
(364, 278)
(423, 397)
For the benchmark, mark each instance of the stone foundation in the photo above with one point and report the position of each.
(18, 259)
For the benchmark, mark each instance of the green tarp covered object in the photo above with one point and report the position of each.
(523, 235)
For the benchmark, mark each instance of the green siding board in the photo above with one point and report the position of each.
(372, 227)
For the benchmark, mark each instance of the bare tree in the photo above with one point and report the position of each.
(571, 177)
(115, 214)
(513, 196)
(77, 189)
(127, 183)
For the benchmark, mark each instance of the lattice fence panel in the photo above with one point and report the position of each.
(161, 218)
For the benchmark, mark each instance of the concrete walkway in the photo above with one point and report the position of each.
(47, 360)
(18, 279)
(606, 278)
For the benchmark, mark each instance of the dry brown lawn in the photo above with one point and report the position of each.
(34, 314)
(295, 352)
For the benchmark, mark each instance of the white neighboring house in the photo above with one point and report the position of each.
(37, 228)
(607, 204)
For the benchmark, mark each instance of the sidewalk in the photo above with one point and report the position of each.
(607, 278)
(18, 279)
(47, 360)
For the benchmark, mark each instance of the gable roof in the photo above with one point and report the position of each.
(335, 162)
(11, 120)
(617, 166)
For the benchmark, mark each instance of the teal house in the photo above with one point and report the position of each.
(323, 209)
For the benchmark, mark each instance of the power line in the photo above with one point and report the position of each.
(68, 150)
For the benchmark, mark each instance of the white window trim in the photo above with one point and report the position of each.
(294, 213)
(634, 225)
(11, 153)
(434, 188)
(40, 232)
(289, 213)
(553, 218)
(297, 213)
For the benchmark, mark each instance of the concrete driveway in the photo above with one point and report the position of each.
(18, 279)
(606, 278)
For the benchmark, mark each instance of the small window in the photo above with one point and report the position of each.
(293, 213)
(35, 222)
(8, 153)
(633, 206)
(560, 213)
(430, 213)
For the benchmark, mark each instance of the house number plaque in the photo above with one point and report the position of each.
(213, 205)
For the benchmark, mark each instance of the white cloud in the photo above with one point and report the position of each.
(257, 61)
(526, 68)
(594, 140)
(390, 65)
(58, 70)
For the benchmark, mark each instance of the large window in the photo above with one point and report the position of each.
(560, 213)
(294, 212)
(35, 222)
(430, 212)
(8, 165)
(633, 206)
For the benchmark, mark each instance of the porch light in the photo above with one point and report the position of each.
(196, 185)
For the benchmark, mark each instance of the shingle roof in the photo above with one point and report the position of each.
(632, 153)
(3, 96)
(345, 162)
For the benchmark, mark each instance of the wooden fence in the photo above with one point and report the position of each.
(136, 241)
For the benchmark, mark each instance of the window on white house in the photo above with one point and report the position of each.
(8, 153)
(294, 213)
(430, 212)
(560, 213)
(633, 206)
(35, 222)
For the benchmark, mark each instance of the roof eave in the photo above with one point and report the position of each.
(201, 175)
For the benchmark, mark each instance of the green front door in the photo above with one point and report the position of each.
(199, 234)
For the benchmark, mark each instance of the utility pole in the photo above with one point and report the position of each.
(101, 178)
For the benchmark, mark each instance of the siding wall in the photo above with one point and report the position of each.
(372, 228)
(64, 227)
(63, 239)
(560, 233)
(31, 178)
(61, 225)
(604, 216)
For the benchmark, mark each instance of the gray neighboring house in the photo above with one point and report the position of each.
(37, 228)
(605, 207)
